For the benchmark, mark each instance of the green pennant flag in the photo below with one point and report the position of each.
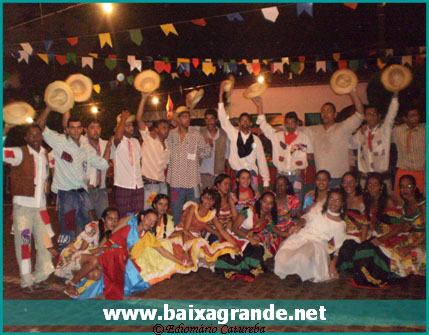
(136, 36)
(71, 57)
(6, 76)
(110, 63)
(295, 67)
(130, 79)
(165, 59)
(354, 64)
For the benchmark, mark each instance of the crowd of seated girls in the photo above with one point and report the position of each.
(371, 237)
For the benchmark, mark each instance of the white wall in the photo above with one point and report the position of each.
(301, 99)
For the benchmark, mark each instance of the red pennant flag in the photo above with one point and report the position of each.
(342, 64)
(167, 67)
(351, 5)
(256, 67)
(301, 59)
(187, 74)
(159, 66)
(72, 40)
(9, 154)
(111, 56)
(199, 22)
(419, 59)
(195, 61)
(62, 59)
(372, 52)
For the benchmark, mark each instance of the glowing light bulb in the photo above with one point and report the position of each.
(108, 8)
(94, 110)
(261, 79)
(29, 120)
(155, 100)
(120, 77)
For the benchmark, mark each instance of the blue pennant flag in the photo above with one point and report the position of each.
(329, 66)
(50, 56)
(234, 16)
(48, 44)
(185, 67)
(304, 7)
(232, 67)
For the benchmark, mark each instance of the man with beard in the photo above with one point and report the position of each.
(246, 150)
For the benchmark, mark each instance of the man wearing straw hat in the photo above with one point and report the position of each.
(155, 154)
(127, 168)
(72, 158)
(29, 170)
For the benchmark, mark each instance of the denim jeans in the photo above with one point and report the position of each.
(179, 196)
(100, 200)
(151, 191)
(73, 208)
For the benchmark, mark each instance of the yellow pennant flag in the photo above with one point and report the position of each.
(208, 68)
(336, 56)
(244, 61)
(169, 28)
(105, 38)
(44, 58)
(380, 64)
(302, 68)
(182, 60)
(94, 55)
(97, 88)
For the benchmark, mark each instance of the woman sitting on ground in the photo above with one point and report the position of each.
(80, 255)
(288, 205)
(319, 194)
(306, 252)
(244, 195)
(358, 226)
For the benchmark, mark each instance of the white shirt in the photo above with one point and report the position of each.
(287, 158)
(41, 164)
(91, 173)
(127, 158)
(248, 162)
(331, 146)
(154, 157)
(376, 159)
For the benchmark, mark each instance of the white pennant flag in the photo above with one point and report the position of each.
(255, 61)
(174, 75)
(27, 48)
(320, 65)
(285, 60)
(136, 64)
(131, 59)
(249, 68)
(407, 60)
(88, 61)
(270, 13)
(278, 67)
(389, 52)
(23, 55)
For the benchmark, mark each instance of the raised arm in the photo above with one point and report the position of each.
(139, 117)
(262, 121)
(119, 133)
(389, 120)
(262, 164)
(224, 122)
(357, 102)
(65, 120)
(41, 120)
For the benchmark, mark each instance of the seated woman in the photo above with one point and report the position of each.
(119, 274)
(400, 250)
(288, 205)
(79, 256)
(254, 231)
(244, 195)
(306, 252)
(319, 194)
(195, 221)
(358, 227)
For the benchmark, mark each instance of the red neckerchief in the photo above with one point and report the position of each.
(290, 137)
(244, 190)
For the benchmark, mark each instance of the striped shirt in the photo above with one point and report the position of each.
(184, 168)
(71, 161)
(92, 173)
(154, 157)
(413, 159)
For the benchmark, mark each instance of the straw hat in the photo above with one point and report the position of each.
(81, 86)
(147, 81)
(59, 96)
(182, 109)
(18, 113)
(130, 118)
(278, 120)
(343, 81)
(255, 90)
(228, 88)
(396, 77)
(194, 97)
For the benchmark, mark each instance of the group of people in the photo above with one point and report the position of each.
(349, 222)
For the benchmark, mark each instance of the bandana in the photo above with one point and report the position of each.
(244, 149)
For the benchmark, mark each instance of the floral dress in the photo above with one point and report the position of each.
(242, 204)
(69, 260)
(290, 206)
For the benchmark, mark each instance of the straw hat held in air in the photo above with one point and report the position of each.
(59, 96)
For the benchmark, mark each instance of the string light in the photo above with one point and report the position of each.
(261, 79)
(108, 8)
(29, 120)
(120, 77)
(94, 110)
(155, 100)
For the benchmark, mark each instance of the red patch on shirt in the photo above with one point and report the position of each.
(9, 154)
(45, 217)
(25, 251)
